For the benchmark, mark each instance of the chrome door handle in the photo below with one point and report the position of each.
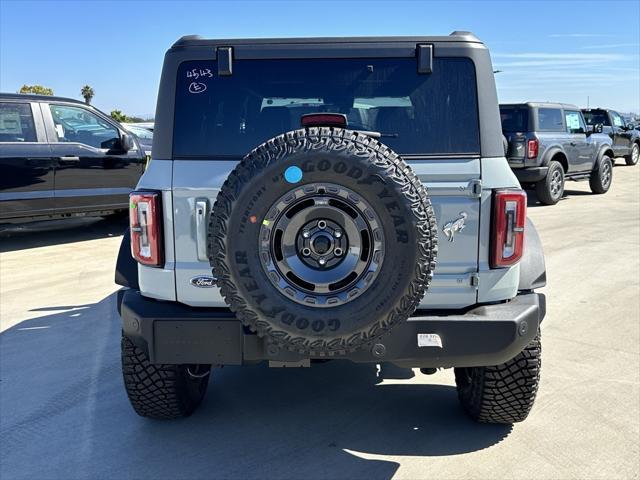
(70, 158)
(201, 207)
(573, 144)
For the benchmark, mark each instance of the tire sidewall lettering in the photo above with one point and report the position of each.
(272, 310)
(245, 202)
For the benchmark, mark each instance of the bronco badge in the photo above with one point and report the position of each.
(204, 281)
(454, 226)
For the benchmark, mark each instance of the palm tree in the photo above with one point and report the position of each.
(88, 93)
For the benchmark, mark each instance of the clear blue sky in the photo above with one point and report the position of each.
(548, 50)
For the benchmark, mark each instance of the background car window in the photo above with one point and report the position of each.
(76, 124)
(575, 124)
(16, 123)
(550, 119)
(597, 117)
(140, 132)
(514, 119)
(617, 120)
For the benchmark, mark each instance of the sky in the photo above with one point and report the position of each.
(566, 51)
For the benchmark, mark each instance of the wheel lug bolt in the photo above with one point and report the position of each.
(306, 252)
(322, 224)
(337, 251)
(306, 234)
(337, 234)
(322, 261)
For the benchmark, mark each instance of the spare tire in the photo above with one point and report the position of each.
(322, 240)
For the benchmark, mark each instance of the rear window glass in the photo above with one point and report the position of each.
(416, 114)
(514, 119)
(550, 119)
(16, 123)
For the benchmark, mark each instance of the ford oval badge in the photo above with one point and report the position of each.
(204, 281)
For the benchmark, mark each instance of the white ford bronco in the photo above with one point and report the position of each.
(330, 199)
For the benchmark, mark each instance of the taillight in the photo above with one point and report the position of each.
(532, 148)
(145, 223)
(509, 218)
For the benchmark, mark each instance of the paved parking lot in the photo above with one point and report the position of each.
(64, 413)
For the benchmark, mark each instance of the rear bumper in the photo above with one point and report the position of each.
(530, 174)
(485, 335)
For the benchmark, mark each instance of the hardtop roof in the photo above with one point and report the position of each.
(198, 41)
(541, 105)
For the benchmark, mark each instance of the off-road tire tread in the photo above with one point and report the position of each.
(595, 182)
(503, 393)
(275, 150)
(629, 158)
(543, 190)
(156, 390)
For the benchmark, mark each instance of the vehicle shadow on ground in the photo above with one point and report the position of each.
(57, 232)
(569, 192)
(65, 414)
(533, 202)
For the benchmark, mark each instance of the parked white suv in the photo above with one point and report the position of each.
(313, 199)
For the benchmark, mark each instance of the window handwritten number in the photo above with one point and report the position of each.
(197, 73)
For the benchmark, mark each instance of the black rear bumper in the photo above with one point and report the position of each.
(530, 174)
(174, 333)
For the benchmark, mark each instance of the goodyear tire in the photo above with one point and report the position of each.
(161, 391)
(322, 241)
(502, 393)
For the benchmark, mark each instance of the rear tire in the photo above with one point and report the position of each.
(551, 188)
(161, 391)
(633, 157)
(503, 393)
(601, 176)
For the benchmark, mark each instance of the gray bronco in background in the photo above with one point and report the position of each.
(313, 200)
(549, 143)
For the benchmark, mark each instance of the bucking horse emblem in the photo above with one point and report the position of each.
(454, 226)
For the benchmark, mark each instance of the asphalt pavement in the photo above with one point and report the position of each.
(64, 413)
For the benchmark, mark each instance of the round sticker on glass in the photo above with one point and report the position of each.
(293, 174)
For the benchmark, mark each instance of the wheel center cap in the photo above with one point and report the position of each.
(321, 244)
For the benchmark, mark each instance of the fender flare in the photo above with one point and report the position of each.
(533, 272)
(550, 153)
(604, 148)
(126, 267)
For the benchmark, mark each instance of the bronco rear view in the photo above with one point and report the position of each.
(330, 199)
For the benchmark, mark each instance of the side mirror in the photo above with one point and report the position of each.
(630, 126)
(126, 142)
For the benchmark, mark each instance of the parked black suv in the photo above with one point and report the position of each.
(60, 157)
(626, 139)
(550, 142)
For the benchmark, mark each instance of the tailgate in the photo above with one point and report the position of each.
(454, 188)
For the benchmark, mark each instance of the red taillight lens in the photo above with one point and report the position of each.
(532, 148)
(509, 218)
(324, 120)
(145, 222)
